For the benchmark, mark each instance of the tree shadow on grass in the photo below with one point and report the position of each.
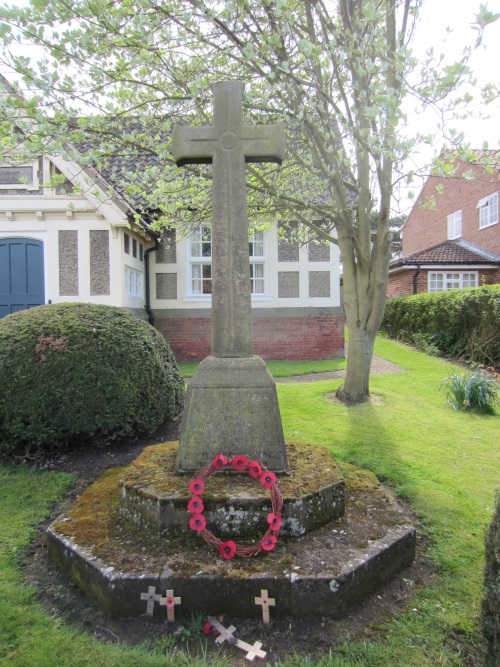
(370, 445)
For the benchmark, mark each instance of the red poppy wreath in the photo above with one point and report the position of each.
(230, 549)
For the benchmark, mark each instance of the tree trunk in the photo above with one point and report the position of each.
(359, 358)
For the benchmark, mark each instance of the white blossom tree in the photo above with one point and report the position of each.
(115, 75)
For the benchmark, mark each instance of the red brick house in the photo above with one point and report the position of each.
(455, 242)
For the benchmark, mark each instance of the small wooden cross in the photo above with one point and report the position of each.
(252, 651)
(151, 596)
(266, 602)
(169, 602)
(226, 634)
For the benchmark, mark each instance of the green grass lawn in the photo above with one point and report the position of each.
(445, 463)
(281, 369)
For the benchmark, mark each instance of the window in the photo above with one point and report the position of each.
(134, 248)
(488, 210)
(200, 262)
(442, 282)
(133, 282)
(126, 243)
(455, 225)
(141, 252)
(256, 252)
(19, 176)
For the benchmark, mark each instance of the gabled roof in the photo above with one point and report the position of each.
(447, 252)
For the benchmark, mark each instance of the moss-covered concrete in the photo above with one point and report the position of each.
(154, 497)
(325, 572)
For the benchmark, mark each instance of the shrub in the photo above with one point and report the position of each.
(76, 371)
(472, 389)
(490, 608)
(464, 322)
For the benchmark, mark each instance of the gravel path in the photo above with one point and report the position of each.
(380, 366)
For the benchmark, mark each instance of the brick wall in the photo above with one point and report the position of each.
(426, 228)
(401, 283)
(275, 336)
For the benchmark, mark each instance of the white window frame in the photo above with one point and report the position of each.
(257, 256)
(256, 251)
(444, 281)
(488, 210)
(134, 283)
(34, 185)
(198, 260)
(455, 225)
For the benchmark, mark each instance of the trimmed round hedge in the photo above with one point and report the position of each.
(71, 372)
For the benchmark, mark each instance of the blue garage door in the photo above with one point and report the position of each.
(21, 275)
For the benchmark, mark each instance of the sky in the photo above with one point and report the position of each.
(458, 15)
(436, 17)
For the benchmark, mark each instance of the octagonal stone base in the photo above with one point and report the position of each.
(325, 572)
(155, 498)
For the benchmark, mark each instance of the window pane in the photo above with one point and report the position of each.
(452, 281)
(256, 244)
(257, 278)
(488, 211)
(469, 280)
(196, 279)
(436, 282)
(201, 243)
(206, 246)
(455, 225)
(207, 279)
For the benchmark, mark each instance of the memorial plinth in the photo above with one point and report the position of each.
(231, 407)
(235, 505)
(325, 572)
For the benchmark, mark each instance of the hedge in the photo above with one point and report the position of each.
(463, 322)
(490, 608)
(71, 372)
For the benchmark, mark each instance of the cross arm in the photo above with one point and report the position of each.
(264, 143)
(192, 145)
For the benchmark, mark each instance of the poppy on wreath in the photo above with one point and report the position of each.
(240, 462)
(255, 469)
(228, 549)
(267, 479)
(275, 521)
(197, 522)
(220, 461)
(268, 542)
(197, 486)
(195, 505)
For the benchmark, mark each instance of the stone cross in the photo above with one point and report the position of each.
(265, 602)
(228, 144)
(151, 596)
(169, 602)
(231, 404)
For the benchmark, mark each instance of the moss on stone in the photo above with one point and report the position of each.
(311, 467)
(94, 524)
